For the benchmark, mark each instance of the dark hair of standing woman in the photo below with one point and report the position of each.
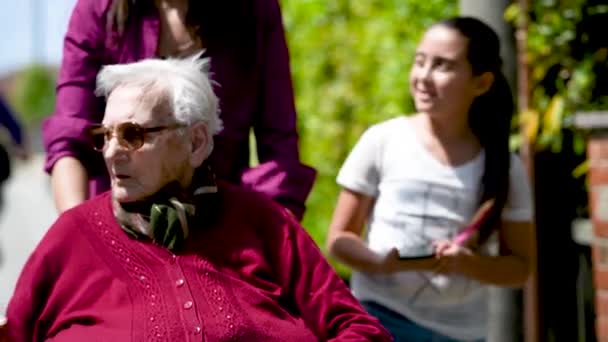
(219, 24)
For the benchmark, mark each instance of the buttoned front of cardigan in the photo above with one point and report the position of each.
(254, 276)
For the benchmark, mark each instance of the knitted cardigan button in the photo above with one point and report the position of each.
(188, 305)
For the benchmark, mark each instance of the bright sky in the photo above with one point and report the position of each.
(27, 36)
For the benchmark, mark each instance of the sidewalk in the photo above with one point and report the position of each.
(28, 211)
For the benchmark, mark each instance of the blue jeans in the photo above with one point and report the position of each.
(403, 329)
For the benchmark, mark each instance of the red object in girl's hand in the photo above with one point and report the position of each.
(476, 222)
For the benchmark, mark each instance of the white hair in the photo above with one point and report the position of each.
(185, 82)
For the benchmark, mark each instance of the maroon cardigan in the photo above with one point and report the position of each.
(254, 276)
(258, 97)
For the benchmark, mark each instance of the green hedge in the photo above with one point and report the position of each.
(33, 95)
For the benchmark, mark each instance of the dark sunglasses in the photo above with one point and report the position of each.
(130, 135)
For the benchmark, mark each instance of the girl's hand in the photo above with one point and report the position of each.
(449, 248)
(452, 256)
(391, 262)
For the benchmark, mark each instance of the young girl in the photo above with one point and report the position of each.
(417, 181)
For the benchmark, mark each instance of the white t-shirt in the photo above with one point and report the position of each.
(418, 200)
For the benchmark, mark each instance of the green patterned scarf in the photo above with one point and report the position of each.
(167, 217)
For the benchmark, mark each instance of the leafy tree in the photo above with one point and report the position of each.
(34, 94)
(567, 54)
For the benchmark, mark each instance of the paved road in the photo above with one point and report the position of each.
(27, 213)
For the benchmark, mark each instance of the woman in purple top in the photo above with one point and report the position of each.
(249, 63)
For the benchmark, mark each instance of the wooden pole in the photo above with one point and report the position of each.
(532, 318)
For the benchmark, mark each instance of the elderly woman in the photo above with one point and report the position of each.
(169, 254)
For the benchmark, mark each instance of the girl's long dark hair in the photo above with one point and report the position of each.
(490, 114)
(219, 24)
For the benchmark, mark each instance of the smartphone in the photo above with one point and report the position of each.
(417, 257)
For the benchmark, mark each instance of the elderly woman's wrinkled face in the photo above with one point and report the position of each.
(163, 157)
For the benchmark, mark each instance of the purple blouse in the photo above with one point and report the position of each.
(259, 97)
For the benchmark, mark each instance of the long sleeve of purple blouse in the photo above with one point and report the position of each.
(280, 173)
(64, 133)
(260, 98)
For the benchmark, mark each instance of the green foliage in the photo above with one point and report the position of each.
(34, 94)
(350, 62)
(564, 64)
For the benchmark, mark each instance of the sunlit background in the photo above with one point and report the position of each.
(350, 61)
(32, 32)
